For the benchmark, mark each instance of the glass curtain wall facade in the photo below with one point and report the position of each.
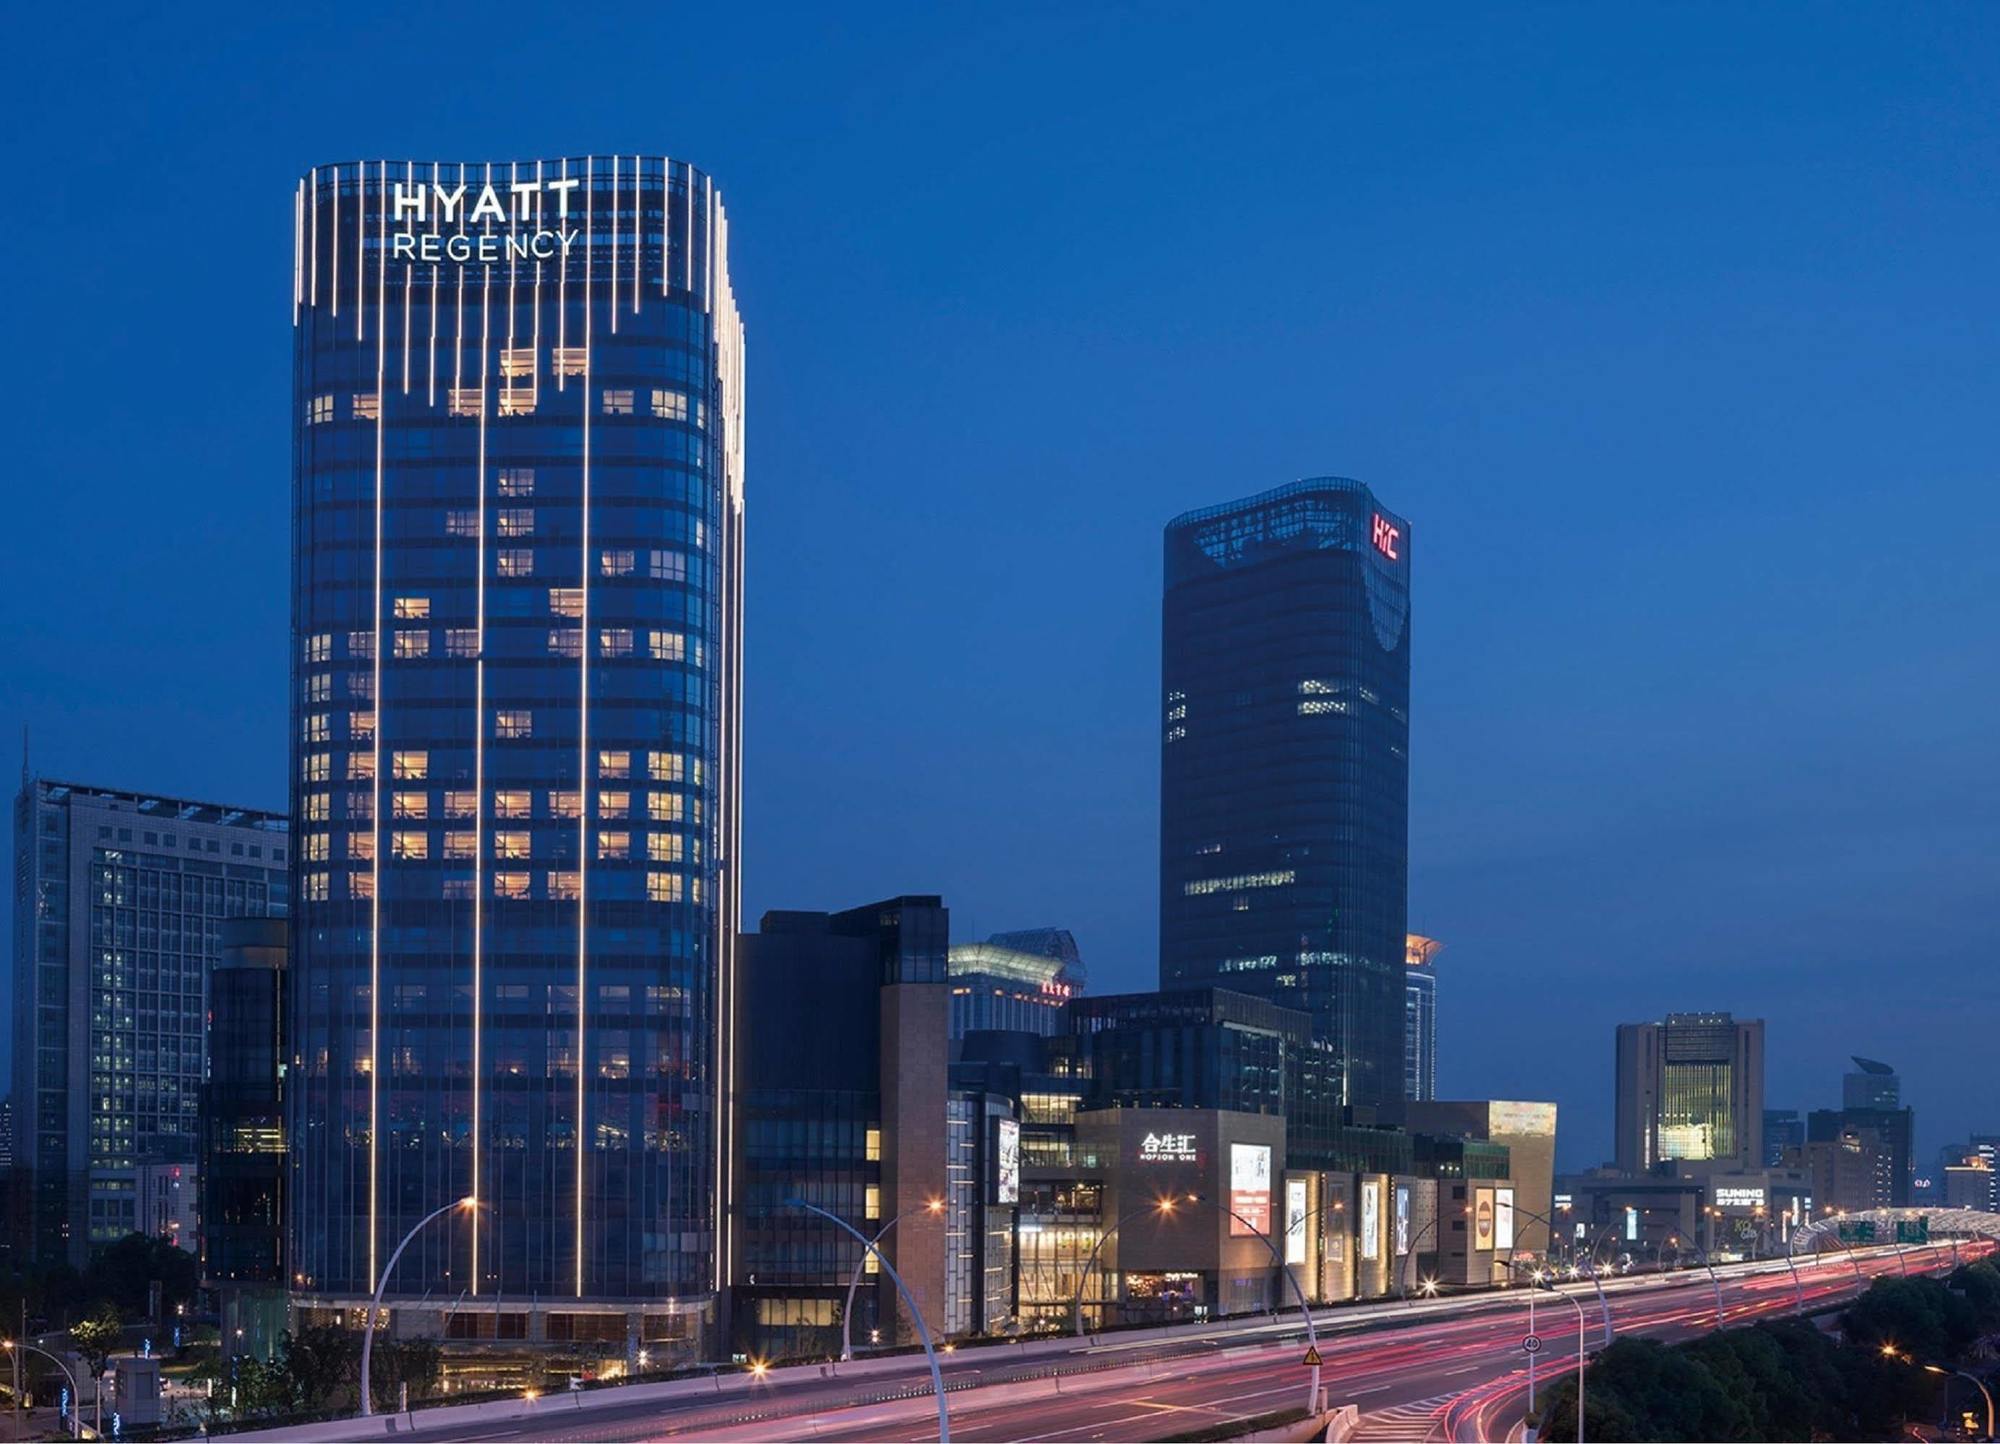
(518, 504)
(1284, 776)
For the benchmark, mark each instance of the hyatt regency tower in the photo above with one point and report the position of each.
(516, 713)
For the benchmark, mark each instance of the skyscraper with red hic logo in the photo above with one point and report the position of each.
(1284, 774)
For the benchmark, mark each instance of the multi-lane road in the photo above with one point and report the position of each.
(1439, 1369)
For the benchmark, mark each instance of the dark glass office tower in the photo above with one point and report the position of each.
(1284, 774)
(518, 502)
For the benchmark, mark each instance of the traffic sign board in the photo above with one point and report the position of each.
(1312, 1359)
(1532, 1344)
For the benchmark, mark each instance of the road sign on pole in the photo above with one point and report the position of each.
(1532, 1344)
(1312, 1359)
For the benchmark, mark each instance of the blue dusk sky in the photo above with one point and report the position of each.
(1672, 329)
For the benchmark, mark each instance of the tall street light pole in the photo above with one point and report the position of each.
(1582, 1362)
(935, 1206)
(1163, 1208)
(923, 1328)
(1976, 1383)
(17, 1346)
(463, 1205)
(1305, 1309)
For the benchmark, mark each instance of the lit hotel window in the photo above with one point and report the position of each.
(565, 886)
(415, 846)
(615, 765)
(322, 410)
(871, 1206)
(617, 403)
(673, 405)
(319, 647)
(565, 641)
(611, 806)
(465, 400)
(315, 728)
(461, 641)
(412, 643)
(412, 609)
(413, 806)
(315, 887)
(409, 766)
(512, 846)
(666, 766)
(669, 566)
(361, 846)
(664, 807)
(319, 688)
(663, 887)
(367, 406)
(460, 804)
(461, 846)
(361, 645)
(614, 846)
(517, 521)
(664, 847)
(566, 601)
(513, 805)
(616, 562)
(361, 806)
(517, 481)
(514, 726)
(316, 849)
(614, 642)
(461, 523)
(565, 804)
(316, 807)
(517, 403)
(517, 361)
(361, 726)
(871, 1147)
(515, 562)
(667, 646)
(510, 884)
(360, 767)
(569, 360)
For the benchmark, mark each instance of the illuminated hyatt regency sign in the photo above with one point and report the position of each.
(420, 206)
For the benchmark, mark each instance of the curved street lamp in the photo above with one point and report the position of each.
(934, 1207)
(1277, 1256)
(1582, 1362)
(75, 1394)
(1162, 1208)
(923, 1328)
(466, 1204)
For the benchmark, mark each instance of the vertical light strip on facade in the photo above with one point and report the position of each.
(562, 303)
(298, 248)
(478, 1188)
(666, 218)
(375, 702)
(408, 272)
(583, 698)
(612, 308)
(333, 230)
(638, 251)
(312, 235)
(361, 248)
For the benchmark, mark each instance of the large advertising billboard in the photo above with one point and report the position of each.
(1402, 1219)
(1295, 1220)
(1006, 1160)
(1250, 1189)
(1371, 1218)
(1503, 1218)
(1482, 1219)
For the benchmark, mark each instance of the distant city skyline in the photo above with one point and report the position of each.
(1683, 365)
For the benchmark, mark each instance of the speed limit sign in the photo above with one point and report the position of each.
(1532, 1344)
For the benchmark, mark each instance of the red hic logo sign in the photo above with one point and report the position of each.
(1386, 536)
